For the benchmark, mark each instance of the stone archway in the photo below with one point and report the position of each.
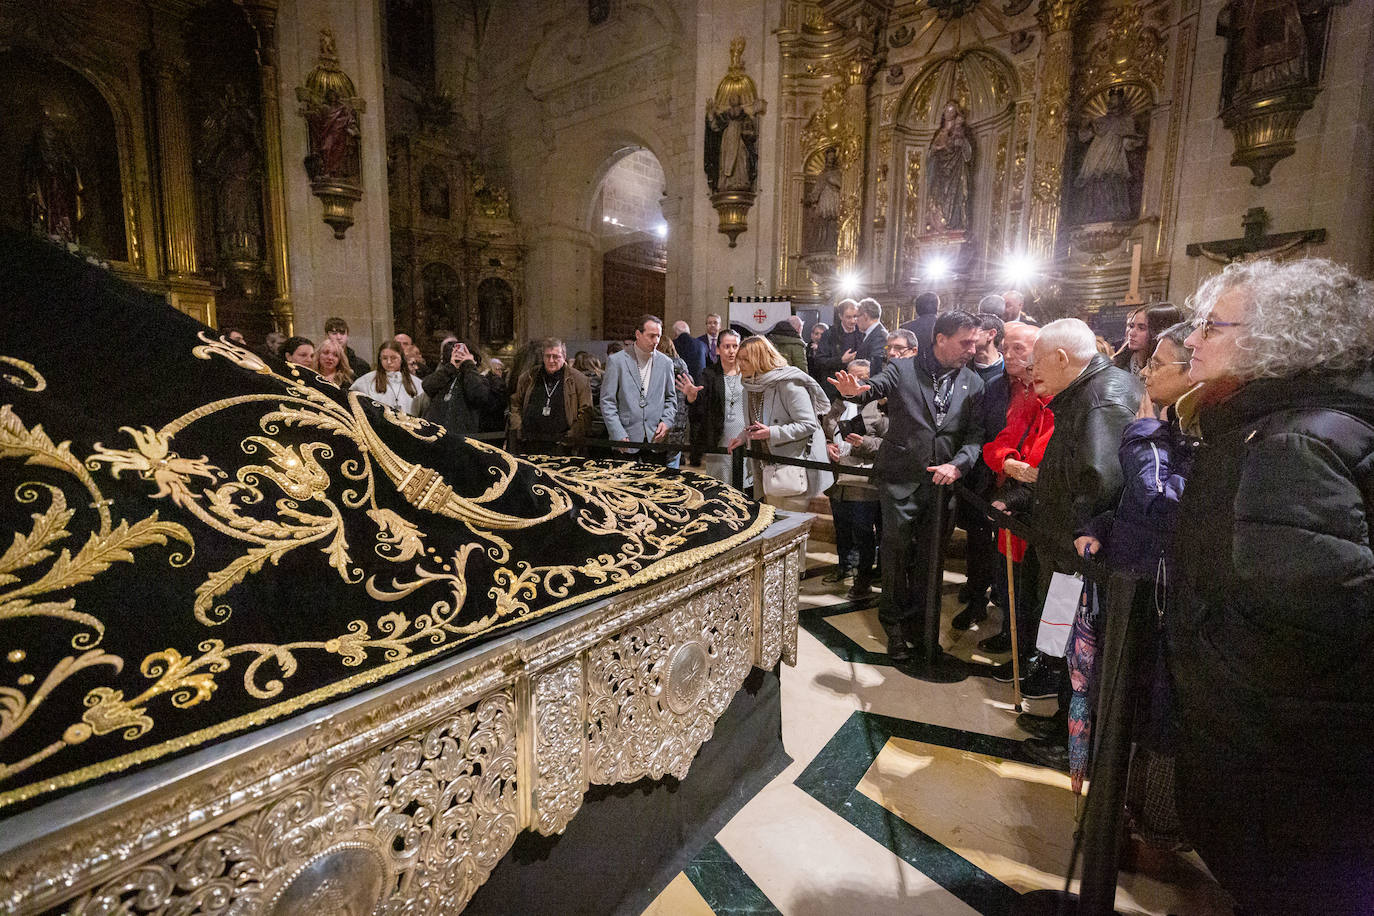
(627, 219)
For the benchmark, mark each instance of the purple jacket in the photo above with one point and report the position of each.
(1155, 460)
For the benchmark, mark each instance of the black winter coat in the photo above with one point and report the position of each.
(1271, 644)
(1080, 475)
(459, 397)
(1274, 637)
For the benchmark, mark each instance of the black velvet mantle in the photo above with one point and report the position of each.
(196, 542)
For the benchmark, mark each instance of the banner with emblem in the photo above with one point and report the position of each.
(759, 315)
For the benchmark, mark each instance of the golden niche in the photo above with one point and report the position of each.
(332, 110)
(731, 159)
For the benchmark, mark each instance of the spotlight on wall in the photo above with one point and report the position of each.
(662, 230)
(937, 269)
(848, 285)
(1020, 270)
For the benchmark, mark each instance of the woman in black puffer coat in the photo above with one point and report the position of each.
(1272, 642)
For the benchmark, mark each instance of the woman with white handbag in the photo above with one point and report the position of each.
(784, 406)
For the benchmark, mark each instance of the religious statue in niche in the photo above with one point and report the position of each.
(434, 193)
(334, 139)
(1110, 174)
(443, 293)
(332, 108)
(821, 207)
(52, 183)
(495, 311)
(732, 154)
(1270, 75)
(949, 166)
(231, 155)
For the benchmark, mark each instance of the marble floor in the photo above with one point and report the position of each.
(903, 796)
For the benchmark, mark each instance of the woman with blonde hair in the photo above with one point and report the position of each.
(784, 409)
(391, 383)
(332, 363)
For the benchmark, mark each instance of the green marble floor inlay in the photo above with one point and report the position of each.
(813, 619)
(834, 774)
(724, 885)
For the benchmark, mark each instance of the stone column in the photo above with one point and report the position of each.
(174, 164)
(1056, 20)
(185, 290)
(264, 14)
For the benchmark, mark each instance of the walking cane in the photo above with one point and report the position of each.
(1011, 622)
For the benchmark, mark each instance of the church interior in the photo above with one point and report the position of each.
(506, 171)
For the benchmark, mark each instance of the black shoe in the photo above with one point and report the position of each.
(971, 616)
(838, 574)
(899, 649)
(1047, 753)
(1041, 682)
(861, 588)
(999, 643)
(1054, 727)
(1002, 672)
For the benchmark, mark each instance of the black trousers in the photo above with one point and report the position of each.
(981, 556)
(907, 541)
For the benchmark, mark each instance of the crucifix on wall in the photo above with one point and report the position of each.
(1255, 243)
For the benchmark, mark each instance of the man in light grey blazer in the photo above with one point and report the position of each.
(638, 395)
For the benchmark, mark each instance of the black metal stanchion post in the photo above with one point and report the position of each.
(935, 577)
(1105, 816)
(1113, 722)
(931, 662)
(737, 469)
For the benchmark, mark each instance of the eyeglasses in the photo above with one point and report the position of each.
(1209, 326)
(1154, 365)
(896, 348)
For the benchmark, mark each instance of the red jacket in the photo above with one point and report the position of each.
(1030, 423)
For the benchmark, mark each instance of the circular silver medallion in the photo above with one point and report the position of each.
(348, 879)
(686, 680)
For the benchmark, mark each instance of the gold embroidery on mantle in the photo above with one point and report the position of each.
(291, 490)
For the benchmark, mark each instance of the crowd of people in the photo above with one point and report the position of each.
(1221, 457)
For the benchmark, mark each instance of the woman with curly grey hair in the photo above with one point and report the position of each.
(1272, 642)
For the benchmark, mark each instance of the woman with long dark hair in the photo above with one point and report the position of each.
(1143, 328)
(391, 383)
(458, 392)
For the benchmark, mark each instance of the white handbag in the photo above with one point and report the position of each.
(1056, 623)
(781, 480)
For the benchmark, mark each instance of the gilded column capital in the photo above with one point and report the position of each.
(1058, 15)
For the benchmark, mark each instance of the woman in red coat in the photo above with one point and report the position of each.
(1015, 456)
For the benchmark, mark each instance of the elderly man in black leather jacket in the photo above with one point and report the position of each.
(1079, 477)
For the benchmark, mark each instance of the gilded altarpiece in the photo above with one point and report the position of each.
(1025, 87)
(170, 181)
(457, 256)
(1131, 71)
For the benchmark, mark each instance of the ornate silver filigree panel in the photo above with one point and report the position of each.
(558, 751)
(632, 728)
(424, 820)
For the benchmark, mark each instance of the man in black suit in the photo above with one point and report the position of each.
(927, 308)
(873, 345)
(934, 437)
(708, 340)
